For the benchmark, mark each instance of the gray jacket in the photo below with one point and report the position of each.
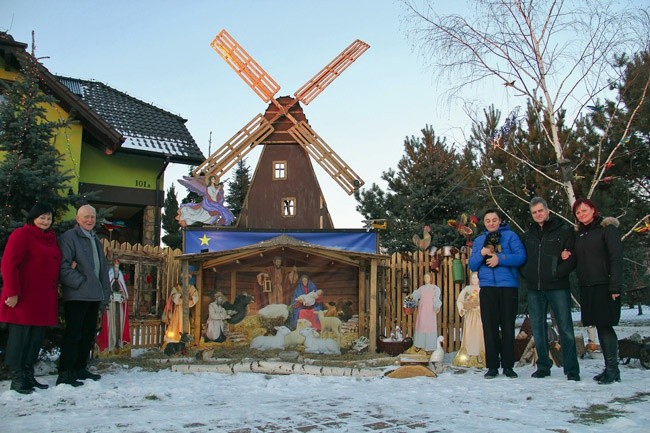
(81, 283)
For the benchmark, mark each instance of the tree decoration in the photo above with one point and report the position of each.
(424, 241)
(466, 226)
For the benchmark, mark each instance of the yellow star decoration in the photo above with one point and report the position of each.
(204, 240)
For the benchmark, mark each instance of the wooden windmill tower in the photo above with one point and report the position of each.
(284, 192)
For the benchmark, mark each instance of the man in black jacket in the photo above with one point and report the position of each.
(547, 281)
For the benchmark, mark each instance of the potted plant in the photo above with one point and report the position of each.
(409, 304)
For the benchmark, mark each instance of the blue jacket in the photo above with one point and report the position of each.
(81, 283)
(512, 255)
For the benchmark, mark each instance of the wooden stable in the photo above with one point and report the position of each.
(350, 275)
(379, 278)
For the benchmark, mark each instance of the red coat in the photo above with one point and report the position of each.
(30, 269)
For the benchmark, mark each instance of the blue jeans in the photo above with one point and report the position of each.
(560, 303)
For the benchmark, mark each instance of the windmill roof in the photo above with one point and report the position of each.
(146, 128)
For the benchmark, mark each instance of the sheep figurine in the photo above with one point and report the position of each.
(270, 342)
(294, 338)
(330, 324)
(314, 344)
(274, 311)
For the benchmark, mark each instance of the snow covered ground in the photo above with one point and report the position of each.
(137, 401)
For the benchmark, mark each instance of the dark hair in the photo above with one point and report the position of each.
(587, 202)
(495, 211)
(39, 209)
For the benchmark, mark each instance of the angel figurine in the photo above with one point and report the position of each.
(209, 211)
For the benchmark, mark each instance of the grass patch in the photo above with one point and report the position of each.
(601, 413)
(635, 398)
(595, 414)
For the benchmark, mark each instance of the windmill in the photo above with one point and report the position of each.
(284, 191)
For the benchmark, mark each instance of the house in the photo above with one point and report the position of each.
(114, 144)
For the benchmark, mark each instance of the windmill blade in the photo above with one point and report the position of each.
(319, 150)
(239, 145)
(245, 66)
(324, 78)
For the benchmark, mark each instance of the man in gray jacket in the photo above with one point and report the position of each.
(86, 291)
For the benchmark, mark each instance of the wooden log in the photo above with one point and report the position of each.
(277, 367)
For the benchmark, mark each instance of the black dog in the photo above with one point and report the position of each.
(492, 243)
(174, 348)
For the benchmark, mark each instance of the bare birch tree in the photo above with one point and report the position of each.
(559, 55)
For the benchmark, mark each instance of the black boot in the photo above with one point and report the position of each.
(600, 375)
(19, 384)
(609, 346)
(31, 380)
(68, 378)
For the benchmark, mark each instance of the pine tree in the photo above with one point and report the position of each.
(173, 237)
(31, 167)
(427, 189)
(238, 188)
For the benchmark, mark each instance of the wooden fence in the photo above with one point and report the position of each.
(152, 273)
(414, 266)
(147, 330)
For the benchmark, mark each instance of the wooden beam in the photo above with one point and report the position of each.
(372, 331)
(199, 305)
(185, 295)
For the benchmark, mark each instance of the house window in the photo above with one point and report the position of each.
(288, 206)
(279, 170)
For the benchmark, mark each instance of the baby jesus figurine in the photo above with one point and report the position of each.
(309, 299)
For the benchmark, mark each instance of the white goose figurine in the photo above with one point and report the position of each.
(438, 355)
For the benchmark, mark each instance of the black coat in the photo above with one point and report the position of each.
(599, 255)
(545, 269)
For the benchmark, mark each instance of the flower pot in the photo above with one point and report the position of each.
(408, 310)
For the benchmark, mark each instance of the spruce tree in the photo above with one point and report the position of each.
(238, 188)
(30, 166)
(173, 237)
(426, 189)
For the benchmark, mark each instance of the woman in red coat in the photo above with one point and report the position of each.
(29, 300)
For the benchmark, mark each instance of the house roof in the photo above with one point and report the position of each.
(100, 131)
(146, 128)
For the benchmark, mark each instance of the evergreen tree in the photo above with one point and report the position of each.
(427, 189)
(173, 237)
(517, 166)
(191, 196)
(238, 188)
(31, 167)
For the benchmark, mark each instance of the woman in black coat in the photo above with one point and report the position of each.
(599, 256)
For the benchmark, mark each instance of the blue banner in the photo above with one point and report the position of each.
(209, 240)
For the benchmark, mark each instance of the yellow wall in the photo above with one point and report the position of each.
(88, 164)
(119, 169)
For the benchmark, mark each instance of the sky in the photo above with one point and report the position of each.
(159, 52)
(130, 400)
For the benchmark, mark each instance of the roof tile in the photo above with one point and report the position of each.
(145, 127)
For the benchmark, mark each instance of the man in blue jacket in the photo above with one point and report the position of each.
(496, 255)
(547, 284)
(86, 290)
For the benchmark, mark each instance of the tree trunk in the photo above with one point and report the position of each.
(277, 367)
